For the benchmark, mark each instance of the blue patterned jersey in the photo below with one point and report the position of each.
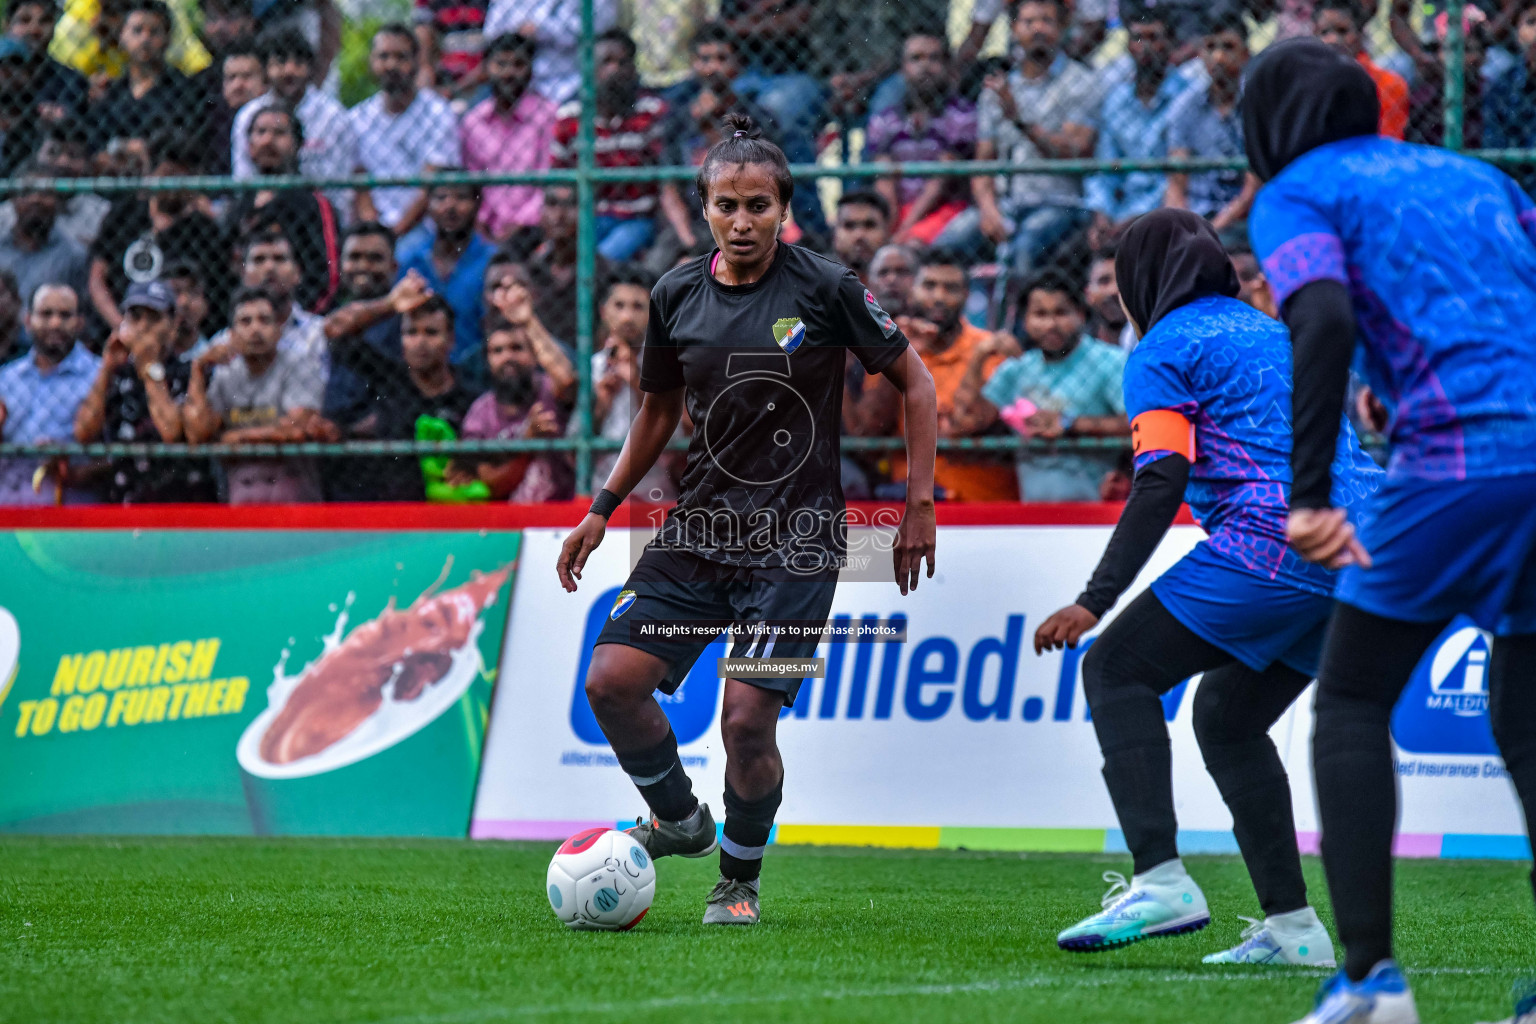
(1436, 251)
(1226, 368)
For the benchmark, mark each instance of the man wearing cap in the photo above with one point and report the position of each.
(138, 396)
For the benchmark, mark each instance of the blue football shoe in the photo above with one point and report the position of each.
(1381, 997)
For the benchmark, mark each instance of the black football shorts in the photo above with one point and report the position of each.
(675, 604)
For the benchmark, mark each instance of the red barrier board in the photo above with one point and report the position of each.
(482, 517)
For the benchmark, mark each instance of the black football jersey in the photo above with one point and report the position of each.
(763, 365)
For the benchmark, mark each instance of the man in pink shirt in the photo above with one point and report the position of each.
(524, 402)
(511, 131)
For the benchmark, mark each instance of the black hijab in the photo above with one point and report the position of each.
(1167, 259)
(1301, 94)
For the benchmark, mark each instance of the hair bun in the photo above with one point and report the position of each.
(738, 126)
(742, 143)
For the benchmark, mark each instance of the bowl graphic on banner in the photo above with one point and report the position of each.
(10, 651)
(342, 743)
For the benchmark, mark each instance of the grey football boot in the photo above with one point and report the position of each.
(667, 838)
(732, 902)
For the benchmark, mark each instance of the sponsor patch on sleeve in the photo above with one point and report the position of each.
(881, 317)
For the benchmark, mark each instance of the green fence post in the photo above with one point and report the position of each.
(586, 249)
(1455, 76)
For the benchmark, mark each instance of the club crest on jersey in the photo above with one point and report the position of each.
(622, 603)
(789, 333)
(881, 317)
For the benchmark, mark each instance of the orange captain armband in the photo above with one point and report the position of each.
(1163, 430)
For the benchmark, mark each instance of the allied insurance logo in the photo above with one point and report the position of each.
(1458, 674)
(1444, 710)
(933, 679)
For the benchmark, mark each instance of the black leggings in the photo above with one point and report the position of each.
(1367, 661)
(1145, 653)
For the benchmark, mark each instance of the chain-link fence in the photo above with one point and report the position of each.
(281, 250)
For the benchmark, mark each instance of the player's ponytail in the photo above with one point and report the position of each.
(744, 144)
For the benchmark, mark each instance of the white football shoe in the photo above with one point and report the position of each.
(1164, 901)
(1295, 939)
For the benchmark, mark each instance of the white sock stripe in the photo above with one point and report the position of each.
(643, 780)
(741, 852)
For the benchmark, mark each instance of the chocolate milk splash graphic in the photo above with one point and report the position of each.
(388, 664)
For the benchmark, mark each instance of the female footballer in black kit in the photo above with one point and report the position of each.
(754, 339)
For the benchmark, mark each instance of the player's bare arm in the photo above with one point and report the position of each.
(915, 538)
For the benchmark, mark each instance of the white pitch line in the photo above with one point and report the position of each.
(1124, 976)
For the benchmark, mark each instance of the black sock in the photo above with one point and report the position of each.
(1140, 784)
(1145, 652)
(747, 827)
(1512, 710)
(1357, 808)
(1367, 660)
(1234, 709)
(660, 777)
(1258, 793)
(1138, 761)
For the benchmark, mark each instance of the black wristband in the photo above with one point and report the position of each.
(605, 502)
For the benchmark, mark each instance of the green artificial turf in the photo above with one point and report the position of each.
(320, 931)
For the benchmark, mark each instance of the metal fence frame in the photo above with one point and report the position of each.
(585, 176)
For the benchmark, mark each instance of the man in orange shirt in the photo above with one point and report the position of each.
(945, 340)
(1340, 24)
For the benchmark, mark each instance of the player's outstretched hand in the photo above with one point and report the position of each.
(573, 553)
(1064, 629)
(1325, 536)
(915, 541)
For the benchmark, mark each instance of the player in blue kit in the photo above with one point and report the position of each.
(1427, 258)
(1208, 390)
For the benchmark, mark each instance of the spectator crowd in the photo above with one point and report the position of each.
(297, 310)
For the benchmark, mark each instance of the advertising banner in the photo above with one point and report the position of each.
(961, 736)
(239, 682)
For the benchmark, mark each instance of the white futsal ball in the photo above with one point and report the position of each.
(601, 880)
